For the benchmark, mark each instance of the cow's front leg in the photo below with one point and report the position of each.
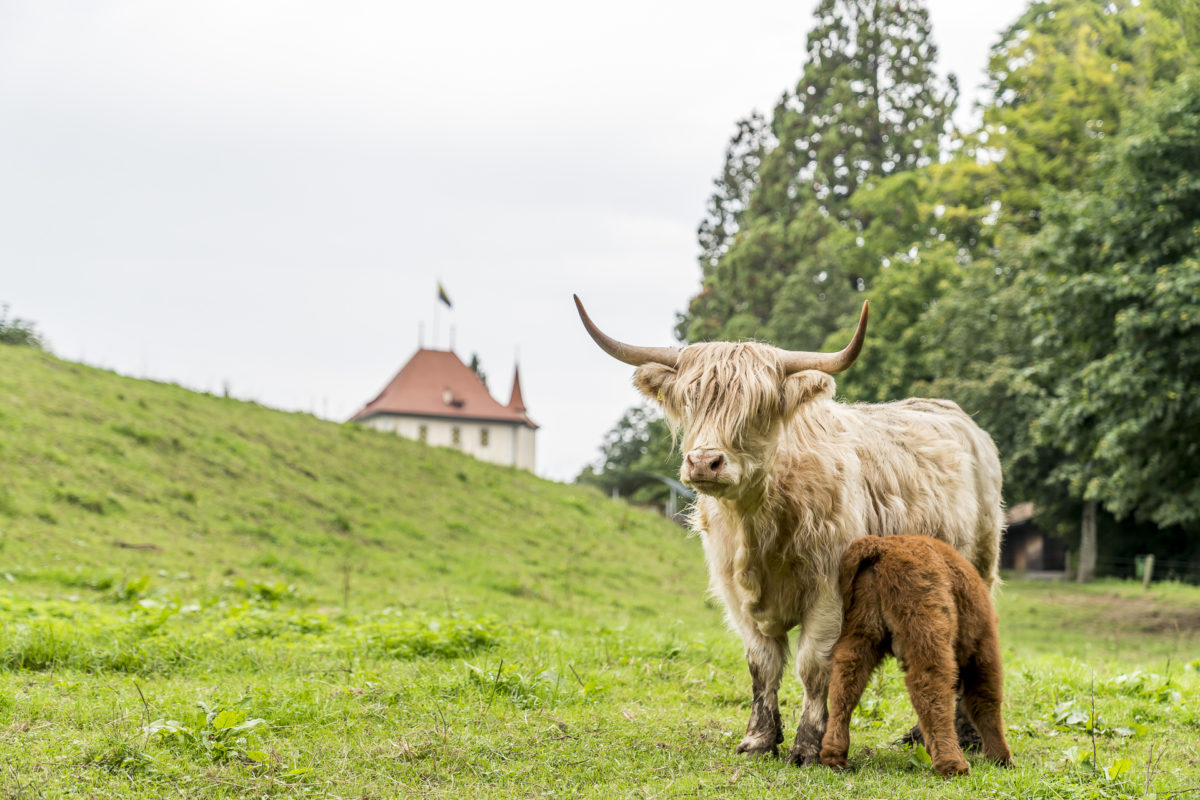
(765, 656)
(821, 627)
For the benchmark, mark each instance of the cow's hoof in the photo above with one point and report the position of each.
(759, 745)
(835, 761)
(969, 739)
(803, 756)
(914, 736)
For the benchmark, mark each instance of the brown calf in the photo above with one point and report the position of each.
(918, 599)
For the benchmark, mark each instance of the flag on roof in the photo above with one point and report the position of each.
(445, 298)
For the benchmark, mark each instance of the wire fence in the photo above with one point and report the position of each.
(1164, 569)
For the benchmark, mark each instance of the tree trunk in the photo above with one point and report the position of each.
(1087, 543)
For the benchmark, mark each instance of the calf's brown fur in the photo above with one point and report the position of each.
(918, 599)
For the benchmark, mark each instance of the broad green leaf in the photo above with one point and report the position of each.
(227, 719)
(918, 756)
(249, 724)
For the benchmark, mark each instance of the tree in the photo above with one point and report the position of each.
(1116, 307)
(1064, 77)
(1061, 78)
(17, 331)
(639, 444)
(867, 105)
(477, 367)
(724, 219)
(733, 188)
(925, 229)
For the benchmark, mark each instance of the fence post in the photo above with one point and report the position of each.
(1148, 570)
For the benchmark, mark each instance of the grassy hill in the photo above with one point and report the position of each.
(108, 479)
(203, 597)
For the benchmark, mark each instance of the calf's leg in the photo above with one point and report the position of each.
(982, 696)
(930, 675)
(855, 657)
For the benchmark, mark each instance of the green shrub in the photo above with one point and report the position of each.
(435, 638)
(223, 735)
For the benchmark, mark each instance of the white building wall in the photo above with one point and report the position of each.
(525, 450)
(503, 440)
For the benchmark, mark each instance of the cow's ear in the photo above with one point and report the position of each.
(654, 381)
(805, 386)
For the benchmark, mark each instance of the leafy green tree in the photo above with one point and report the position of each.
(975, 348)
(639, 445)
(733, 189)
(477, 367)
(724, 220)
(1069, 345)
(1115, 303)
(958, 325)
(868, 105)
(1061, 78)
(17, 331)
(923, 227)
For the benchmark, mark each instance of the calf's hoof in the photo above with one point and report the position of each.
(834, 760)
(953, 769)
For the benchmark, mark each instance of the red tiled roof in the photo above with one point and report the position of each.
(430, 378)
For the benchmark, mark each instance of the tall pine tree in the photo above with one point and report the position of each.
(868, 105)
(724, 218)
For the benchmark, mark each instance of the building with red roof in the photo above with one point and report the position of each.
(436, 398)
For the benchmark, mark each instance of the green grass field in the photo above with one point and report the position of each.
(201, 597)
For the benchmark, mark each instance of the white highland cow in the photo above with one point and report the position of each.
(787, 478)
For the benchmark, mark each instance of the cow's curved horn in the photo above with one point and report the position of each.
(634, 356)
(832, 363)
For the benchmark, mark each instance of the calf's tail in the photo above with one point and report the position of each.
(861, 554)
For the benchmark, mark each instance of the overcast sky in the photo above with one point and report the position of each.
(265, 194)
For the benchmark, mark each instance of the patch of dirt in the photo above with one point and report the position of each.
(1133, 613)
